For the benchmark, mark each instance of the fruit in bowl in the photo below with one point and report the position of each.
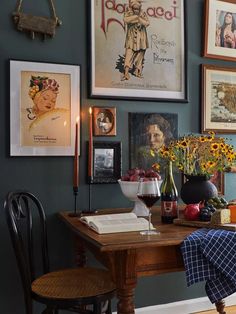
(135, 174)
(129, 187)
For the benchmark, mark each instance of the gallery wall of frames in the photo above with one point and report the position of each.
(87, 82)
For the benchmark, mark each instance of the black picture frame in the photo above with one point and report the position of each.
(163, 74)
(106, 162)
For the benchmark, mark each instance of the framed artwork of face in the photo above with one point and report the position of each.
(45, 103)
(220, 32)
(149, 131)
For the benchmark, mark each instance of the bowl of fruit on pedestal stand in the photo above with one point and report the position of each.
(129, 186)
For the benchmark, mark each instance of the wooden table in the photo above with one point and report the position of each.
(130, 255)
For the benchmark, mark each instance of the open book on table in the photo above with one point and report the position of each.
(116, 223)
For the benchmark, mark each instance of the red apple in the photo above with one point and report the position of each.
(192, 212)
(125, 178)
(134, 177)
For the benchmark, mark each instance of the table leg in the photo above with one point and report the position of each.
(123, 267)
(125, 304)
(80, 253)
(220, 307)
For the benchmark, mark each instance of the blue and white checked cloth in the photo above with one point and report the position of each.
(210, 255)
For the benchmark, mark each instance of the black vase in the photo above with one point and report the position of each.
(197, 189)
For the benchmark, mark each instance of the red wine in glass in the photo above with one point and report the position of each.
(149, 194)
(149, 199)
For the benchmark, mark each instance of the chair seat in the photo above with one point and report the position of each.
(74, 284)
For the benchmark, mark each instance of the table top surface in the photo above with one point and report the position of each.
(170, 234)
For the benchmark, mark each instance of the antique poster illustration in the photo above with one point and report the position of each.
(45, 105)
(45, 109)
(138, 49)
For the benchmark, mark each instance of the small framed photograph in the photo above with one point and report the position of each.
(44, 108)
(106, 162)
(218, 180)
(220, 31)
(104, 121)
(149, 131)
(137, 50)
(218, 99)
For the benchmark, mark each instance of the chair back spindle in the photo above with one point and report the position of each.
(21, 207)
(71, 289)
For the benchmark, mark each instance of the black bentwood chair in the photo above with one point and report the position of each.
(69, 289)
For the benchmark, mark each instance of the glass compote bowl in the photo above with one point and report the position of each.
(130, 189)
(149, 194)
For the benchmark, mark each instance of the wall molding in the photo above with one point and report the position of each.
(185, 306)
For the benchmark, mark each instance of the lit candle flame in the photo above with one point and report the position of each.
(90, 110)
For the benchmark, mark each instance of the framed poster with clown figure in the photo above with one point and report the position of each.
(138, 49)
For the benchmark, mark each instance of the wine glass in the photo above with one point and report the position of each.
(149, 194)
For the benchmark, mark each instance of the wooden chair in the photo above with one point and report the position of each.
(70, 289)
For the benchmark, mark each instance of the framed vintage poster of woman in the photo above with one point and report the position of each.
(45, 104)
(220, 29)
(138, 49)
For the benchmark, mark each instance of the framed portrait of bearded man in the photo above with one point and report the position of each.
(220, 29)
(137, 50)
(44, 108)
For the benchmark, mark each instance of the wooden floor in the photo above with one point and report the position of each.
(229, 310)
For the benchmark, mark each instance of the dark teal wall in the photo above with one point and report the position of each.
(51, 177)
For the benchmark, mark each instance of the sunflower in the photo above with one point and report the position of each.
(198, 154)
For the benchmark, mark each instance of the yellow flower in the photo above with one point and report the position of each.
(183, 144)
(152, 153)
(215, 146)
(210, 164)
(156, 167)
(199, 154)
(202, 139)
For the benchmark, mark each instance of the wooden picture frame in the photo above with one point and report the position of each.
(218, 112)
(106, 162)
(220, 37)
(104, 121)
(155, 68)
(147, 130)
(44, 107)
(218, 179)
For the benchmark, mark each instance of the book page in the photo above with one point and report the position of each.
(119, 225)
(88, 219)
